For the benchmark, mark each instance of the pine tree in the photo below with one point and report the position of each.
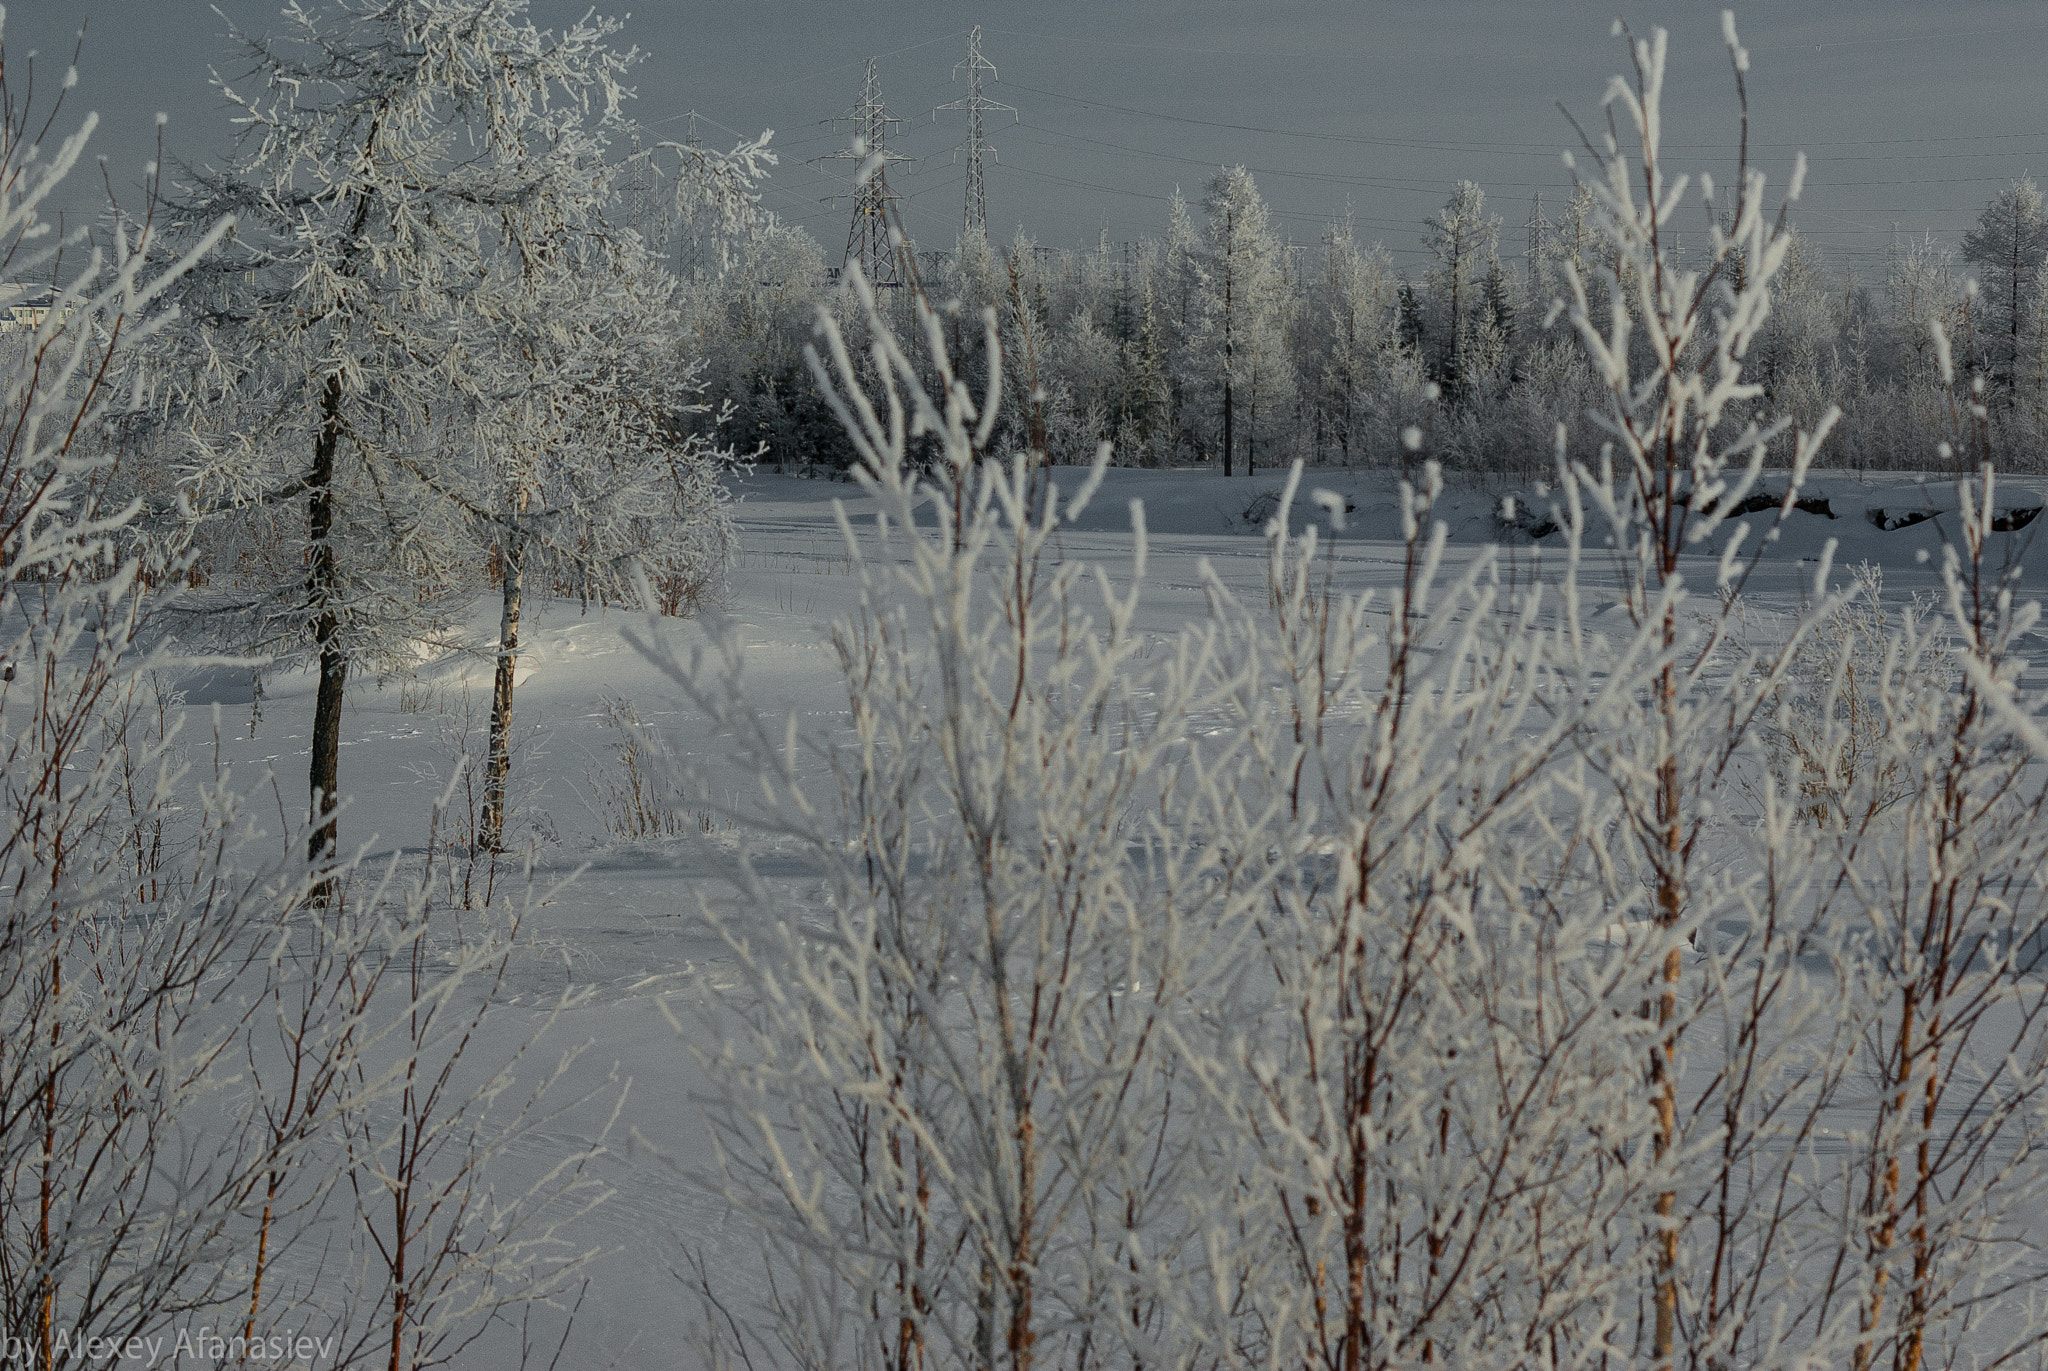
(1496, 317)
(1920, 292)
(1179, 283)
(1576, 246)
(1348, 329)
(1412, 327)
(1465, 241)
(1239, 346)
(2007, 247)
(1145, 427)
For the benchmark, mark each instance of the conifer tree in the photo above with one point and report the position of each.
(2008, 247)
(1542, 278)
(1465, 241)
(1178, 283)
(1348, 329)
(1238, 338)
(1920, 292)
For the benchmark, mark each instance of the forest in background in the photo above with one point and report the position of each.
(1327, 351)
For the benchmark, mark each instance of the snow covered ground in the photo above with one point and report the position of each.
(618, 927)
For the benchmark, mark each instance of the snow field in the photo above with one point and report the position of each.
(620, 929)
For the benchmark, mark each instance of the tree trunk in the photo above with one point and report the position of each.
(1670, 914)
(1229, 426)
(1229, 351)
(499, 763)
(324, 776)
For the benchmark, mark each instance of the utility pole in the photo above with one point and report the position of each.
(867, 239)
(976, 104)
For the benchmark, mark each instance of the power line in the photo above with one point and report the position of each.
(1815, 177)
(844, 66)
(1319, 135)
(1298, 215)
(1496, 146)
(1331, 178)
(976, 104)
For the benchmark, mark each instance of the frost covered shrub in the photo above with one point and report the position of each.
(1369, 981)
(109, 1222)
(943, 1187)
(228, 1110)
(1825, 727)
(636, 802)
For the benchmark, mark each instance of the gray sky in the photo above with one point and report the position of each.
(1910, 113)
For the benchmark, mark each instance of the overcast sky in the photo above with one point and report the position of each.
(1910, 113)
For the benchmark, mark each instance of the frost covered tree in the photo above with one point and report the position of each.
(202, 1063)
(1237, 347)
(1145, 429)
(1796, 356)
(1464, 241)
(1541, 278)
(1178, 283)
(380, 145)
(1347, 337)
(2008, 247)
(974, 1168)
(183, 1028)
(570, 462)
(567, 449)
(748, 325)
(112, 1219)
(1921, 293)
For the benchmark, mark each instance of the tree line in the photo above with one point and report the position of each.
(1220, 342)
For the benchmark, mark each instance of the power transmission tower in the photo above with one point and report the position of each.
(690, 257)
(976, 104)
(1541, 260)
(867, 240)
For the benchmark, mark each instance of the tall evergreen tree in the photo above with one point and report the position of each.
(1464, 240)
(1239, 345)
(2007, 247)
(1496, 316)
(1920, 290)
(1542, 274)
(1179, 283)
(1348, 328)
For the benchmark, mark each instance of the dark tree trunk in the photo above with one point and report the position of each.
(1229, 427)
(324, 777)
(499, 764)
(1229, 348)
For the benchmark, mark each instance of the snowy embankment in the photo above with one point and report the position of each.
(618, 928)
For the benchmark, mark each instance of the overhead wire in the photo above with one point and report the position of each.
(1817, 175)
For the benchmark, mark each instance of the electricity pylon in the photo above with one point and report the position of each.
(976, 104)
(1542, 255)
(867, 239)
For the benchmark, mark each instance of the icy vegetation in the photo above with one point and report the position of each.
(1022, 912)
